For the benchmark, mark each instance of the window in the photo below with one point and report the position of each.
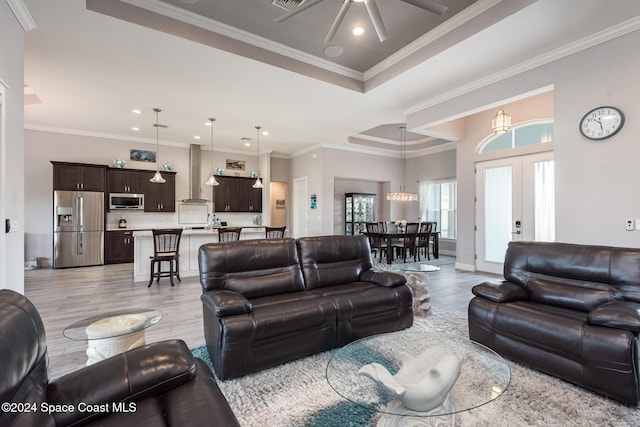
(438, 203)
(525, 134)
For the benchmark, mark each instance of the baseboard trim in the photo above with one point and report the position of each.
(465, 267)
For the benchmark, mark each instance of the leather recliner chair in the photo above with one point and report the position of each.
(572, 311)
(155, 385)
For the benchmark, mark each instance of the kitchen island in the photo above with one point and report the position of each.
(190, 242)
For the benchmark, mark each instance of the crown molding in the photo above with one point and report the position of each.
(211, 25)
(584, 43)
(21, 12)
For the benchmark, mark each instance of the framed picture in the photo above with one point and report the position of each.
(142, 155)
(235, 164)
(280, 204)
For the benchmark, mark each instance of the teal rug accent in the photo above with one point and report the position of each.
(342, 414)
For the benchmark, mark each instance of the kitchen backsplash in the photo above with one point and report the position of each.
(146, 220)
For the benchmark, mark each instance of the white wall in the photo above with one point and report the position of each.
(12, 151)
(594, 181)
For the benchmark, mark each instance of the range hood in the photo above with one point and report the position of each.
(194, 176)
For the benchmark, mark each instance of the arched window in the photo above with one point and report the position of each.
(521, 135)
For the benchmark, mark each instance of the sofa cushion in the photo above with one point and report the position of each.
(278, 315)
(252, 268)
(566, 295)
(333, 260)
(553, 328)
(617, 314)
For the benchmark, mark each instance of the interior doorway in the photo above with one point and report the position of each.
(515, 200)
(278, 204)
(300, 208)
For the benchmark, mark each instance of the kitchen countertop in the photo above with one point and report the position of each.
(191, 232)
(185, 230)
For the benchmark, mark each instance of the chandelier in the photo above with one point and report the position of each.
(258, 183)
(157, 177)
(501, 123)
(212, 182)
(402, 195)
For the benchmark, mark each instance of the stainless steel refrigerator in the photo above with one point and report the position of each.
(78, 228)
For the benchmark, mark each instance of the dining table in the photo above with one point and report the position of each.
(389, 236)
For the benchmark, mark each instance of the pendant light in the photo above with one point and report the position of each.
(501, 123)
(258, 183)
(212, 179)
(157, 178)
(402, 195)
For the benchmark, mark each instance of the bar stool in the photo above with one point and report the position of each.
(228, 234)
(166, 248)
(274, 232)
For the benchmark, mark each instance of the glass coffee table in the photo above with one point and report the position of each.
(483, 376)
(111, 333)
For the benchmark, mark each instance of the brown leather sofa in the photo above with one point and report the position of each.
(158, 384)
(572, 311)
(266, 302)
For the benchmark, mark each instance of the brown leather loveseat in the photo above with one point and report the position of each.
(572, 311)
(266, 302)
(159, 384)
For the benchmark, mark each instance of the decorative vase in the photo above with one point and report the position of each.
(219, 171)
(119, 163)
(253, 174)
(167, 166)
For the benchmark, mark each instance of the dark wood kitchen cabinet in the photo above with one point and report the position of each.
(79, 176)
(118, 247)
(160, 197)
(236, 194)
(127, 181)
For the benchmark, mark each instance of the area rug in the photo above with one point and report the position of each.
(297, 394)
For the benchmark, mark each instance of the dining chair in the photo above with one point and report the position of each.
(166, 248)
(423, 240)
(274, 232)
(408, 241)
(228, 234)
(376, 241)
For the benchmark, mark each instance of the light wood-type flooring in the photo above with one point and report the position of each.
(65, 296)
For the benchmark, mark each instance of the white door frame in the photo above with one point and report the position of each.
(300, 207)
(522, 204)
(3, 184)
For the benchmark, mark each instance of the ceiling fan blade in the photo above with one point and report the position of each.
(339, 18)
(376, 19)
(429, 5)
(297, 10)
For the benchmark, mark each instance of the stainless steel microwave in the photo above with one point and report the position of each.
(126, 201)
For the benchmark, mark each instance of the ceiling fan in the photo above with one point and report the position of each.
(372, 9)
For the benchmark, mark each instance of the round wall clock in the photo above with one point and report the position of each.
(601, 123)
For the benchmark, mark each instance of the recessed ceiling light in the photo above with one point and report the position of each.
(247, 144)
(265, 132)
(135, 128)
(333, 51)
(196, 137)
(357, 31)
(136, 111)
(208, 124)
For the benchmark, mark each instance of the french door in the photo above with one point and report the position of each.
(514, 201)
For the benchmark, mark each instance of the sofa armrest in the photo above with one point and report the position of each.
(383, 278)
(500, 291)
(146, 371)
(617, 314)
(226, 303)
